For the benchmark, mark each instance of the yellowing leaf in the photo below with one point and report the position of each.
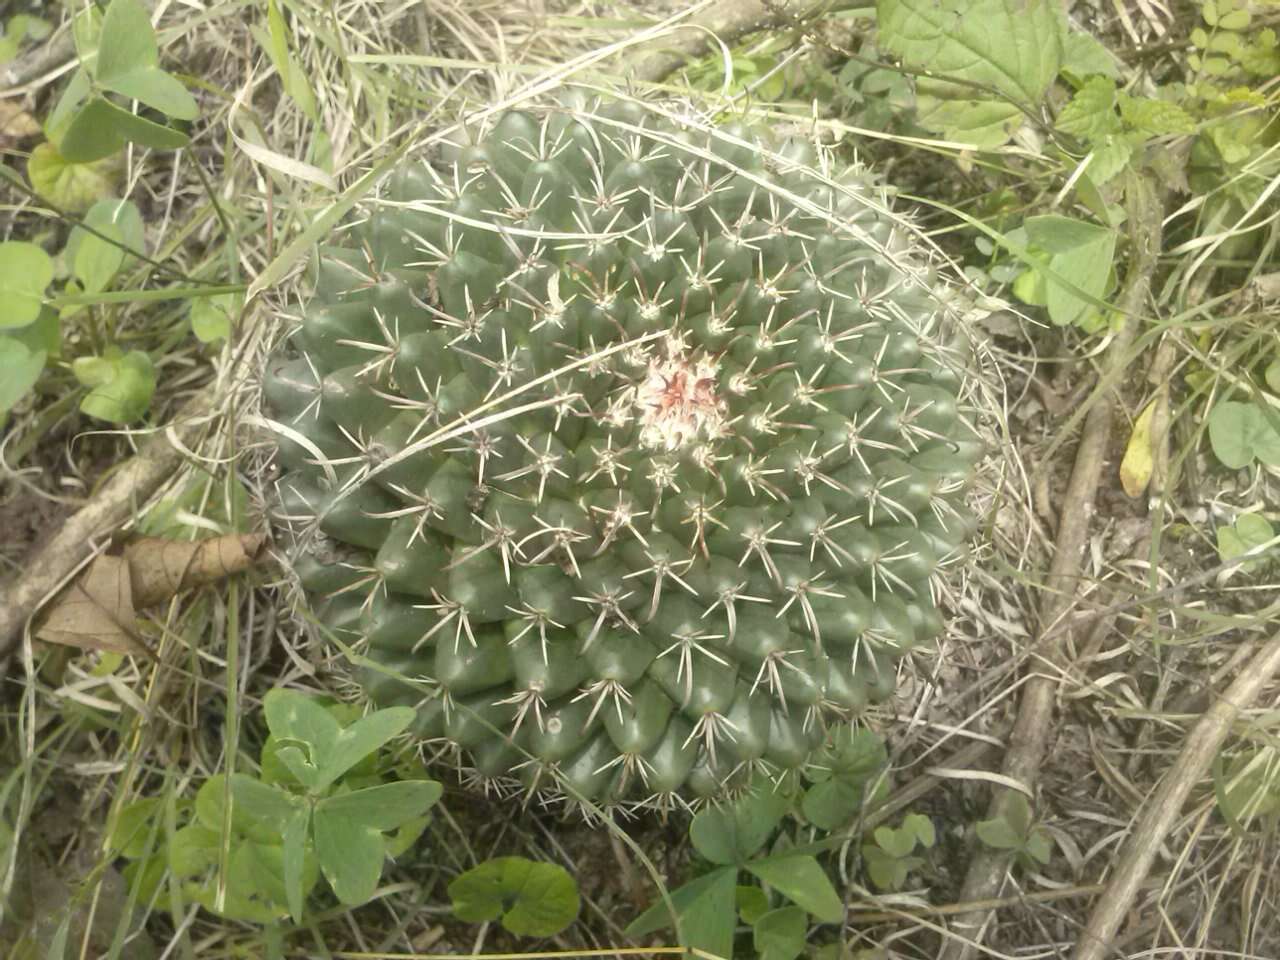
(1139, 455)
(73, 187)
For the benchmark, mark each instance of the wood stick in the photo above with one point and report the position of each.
(724, 21)
(1030, 738)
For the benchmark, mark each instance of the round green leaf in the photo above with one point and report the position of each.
(833, 802)
(1273, 376)
(733, 832)
(780, 934)
(20, 367)
(69, 186)
(128, 62)
(1250, 530)
(999, 833)
(922, 827)
(25, 271)
(211, 317)
(1241, 432)
(850, 764)
(1038, 846)
(122, 385)
(531, 899)
(94, 260)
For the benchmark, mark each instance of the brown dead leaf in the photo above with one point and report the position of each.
(15, 123)
(98, 611)
(161, 569)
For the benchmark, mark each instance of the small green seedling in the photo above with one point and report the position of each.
(120, 384)
(76, 171)
(1075, 268)
(92, 119)
(1014, 830)
(730, 836)
(1248, 788)
(529, 899)
(1250, 532)
(846, 778)
(257, 846)
(890, 857)
(780, 934)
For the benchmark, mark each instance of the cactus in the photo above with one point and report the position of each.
(624, 449)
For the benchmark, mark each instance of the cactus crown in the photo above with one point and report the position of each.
(623, 449)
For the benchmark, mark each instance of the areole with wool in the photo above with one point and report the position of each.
(623, 448)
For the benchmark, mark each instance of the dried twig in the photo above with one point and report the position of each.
(1157, 819)
(725, 22)
(1031, 731)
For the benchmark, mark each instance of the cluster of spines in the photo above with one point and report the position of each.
(468, 376)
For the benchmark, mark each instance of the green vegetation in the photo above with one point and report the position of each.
(803, 765)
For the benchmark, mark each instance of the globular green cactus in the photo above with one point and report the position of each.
(624, 449)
